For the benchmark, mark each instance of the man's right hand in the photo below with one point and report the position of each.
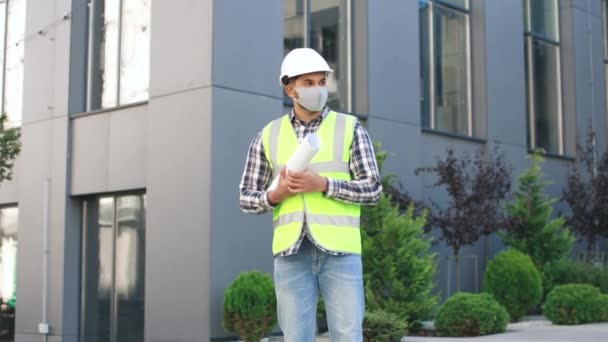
(281, 192)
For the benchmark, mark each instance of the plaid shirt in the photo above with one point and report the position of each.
(364, 189)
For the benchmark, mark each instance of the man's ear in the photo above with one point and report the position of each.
(290, 91)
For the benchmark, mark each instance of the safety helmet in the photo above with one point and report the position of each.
(302, 61)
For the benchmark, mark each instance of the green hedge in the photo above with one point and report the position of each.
(564, 272)
(602, 315)
(250, 306)
(513, 280)
(382, 326)
(576, 304)
(467, 314)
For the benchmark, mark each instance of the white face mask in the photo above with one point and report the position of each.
(312, 98)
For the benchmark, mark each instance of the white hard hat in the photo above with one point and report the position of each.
(302, 61)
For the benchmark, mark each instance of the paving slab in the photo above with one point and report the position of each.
(532, 329)
(535, 329)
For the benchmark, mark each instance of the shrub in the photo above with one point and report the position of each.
(513, 280)
(532, 229)
(382, 326)
(467, 314)
(603, 309)
(586, 193)
(249, 306)
(573, 272)
(476, 187)
(10, 147)
(398, 268)
(575, 304)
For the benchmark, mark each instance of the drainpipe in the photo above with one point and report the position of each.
(592, 94)
(43, 328)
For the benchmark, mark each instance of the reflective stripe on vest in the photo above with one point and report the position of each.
(333, 224)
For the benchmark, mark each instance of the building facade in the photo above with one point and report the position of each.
(122, 222)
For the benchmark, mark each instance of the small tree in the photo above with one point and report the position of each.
(250, 306)
(476, 186)
(532, 231)
(399, 270)
(10, 146)
(586, 193)
(398, 267)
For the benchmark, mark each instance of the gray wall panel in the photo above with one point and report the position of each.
(240, 60)
(90, 154)
(240, 242)
(31, 205)
(505, 72)
(394, 78)
(127, 147)
(402, 142)
(178, 217)
(180, 45)
(109, 151)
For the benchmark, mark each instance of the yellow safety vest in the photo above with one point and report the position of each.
(333, 224)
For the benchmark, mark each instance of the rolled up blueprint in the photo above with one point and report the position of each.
(301, 158)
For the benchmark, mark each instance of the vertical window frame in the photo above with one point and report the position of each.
(466, 11)
(530, 37)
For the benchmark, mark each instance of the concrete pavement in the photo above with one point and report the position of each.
(531, 330)
(535, 329)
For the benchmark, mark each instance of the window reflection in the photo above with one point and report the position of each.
(451, 71)
(119, 52)
(135, 51)
(445, 66)
(113, 269)
(326, 33)
(8, 272)
(541, 17)
(12, 13)
(546, 95)
(543, 80)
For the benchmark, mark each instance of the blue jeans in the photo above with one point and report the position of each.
(298, 281)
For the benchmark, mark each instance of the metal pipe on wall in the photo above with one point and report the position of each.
(43, 328)
(592, 94)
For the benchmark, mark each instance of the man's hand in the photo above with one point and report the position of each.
(282, 191)
(305, 181)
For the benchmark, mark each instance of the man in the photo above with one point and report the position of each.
(316, 242)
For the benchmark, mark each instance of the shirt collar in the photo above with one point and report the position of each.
(292, 115)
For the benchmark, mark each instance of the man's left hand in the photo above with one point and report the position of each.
(306, 181)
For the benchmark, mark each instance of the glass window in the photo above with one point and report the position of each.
(119, 52)
(8, 271)
(323, 26)
(543, 80)
(113, 266)
(12, 31)
(293, 25)
(445, 71)
(458, 3)
(541, 18)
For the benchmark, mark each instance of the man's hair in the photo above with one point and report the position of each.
(287, 80)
